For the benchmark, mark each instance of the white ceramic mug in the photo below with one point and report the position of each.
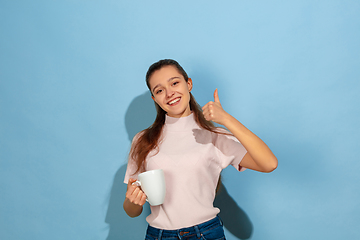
(153, 184)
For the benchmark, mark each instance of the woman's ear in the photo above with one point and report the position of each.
(190, 84)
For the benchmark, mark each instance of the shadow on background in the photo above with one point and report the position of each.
(235, 219)
(205, 81)
(140, 114)
(121, 226)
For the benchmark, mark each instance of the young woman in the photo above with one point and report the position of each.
(192, 152)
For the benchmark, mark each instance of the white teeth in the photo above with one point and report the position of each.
(174, 101)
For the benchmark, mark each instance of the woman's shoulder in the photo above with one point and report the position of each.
(223, 135)
(138, 135)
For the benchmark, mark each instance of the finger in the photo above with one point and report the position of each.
(205, 109)
(131, 184)
(206, 113)
(216, 96)
(207, 116)
(132, 192)
(205, 106)
(131, 181)
(208, 105)
(139, 198)
(140, 195)
(143, 200)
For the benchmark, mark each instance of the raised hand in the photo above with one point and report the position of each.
(213, 111)
(259, 156)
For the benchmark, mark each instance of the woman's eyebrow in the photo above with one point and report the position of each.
(167, 80)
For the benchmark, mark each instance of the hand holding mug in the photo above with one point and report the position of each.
(134, 193)
(153, 184)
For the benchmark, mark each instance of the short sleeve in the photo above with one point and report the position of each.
(229, 150)
(131, 166)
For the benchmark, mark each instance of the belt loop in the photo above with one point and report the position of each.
(221, 222)
(160, 234)
(197, 231)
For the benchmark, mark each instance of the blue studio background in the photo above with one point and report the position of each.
(72, 96)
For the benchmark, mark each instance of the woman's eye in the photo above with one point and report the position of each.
(158, 91)
(174, 83)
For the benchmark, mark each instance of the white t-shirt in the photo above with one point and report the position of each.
(192, 159)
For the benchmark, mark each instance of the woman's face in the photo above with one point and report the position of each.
(171, 92)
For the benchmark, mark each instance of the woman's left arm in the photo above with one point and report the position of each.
(259, 157)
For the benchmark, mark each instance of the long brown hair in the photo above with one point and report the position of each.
(148, 139)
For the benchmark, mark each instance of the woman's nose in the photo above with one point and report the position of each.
(169, 93)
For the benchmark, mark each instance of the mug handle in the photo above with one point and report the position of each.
(139, 184)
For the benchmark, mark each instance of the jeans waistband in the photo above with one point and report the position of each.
(185, 232)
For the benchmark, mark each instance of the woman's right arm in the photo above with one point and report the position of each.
(134, 200)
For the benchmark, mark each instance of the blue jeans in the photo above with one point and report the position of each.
(210, 230)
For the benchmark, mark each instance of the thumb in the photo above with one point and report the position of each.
(216, 96)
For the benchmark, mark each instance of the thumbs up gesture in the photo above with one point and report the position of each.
(213, 111)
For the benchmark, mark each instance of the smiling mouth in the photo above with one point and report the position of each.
(172, 102)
